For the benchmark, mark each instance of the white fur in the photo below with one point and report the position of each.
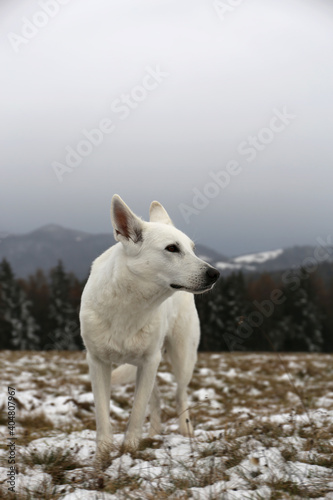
(130, 311)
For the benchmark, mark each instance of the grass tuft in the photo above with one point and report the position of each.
(55, 462)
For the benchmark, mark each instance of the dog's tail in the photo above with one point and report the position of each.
(124, 374)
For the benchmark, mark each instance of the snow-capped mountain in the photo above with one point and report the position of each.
(45, 246)
(273, 260)
(258, 258)
(250, 262)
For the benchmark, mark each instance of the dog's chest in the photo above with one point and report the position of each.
(124, 345)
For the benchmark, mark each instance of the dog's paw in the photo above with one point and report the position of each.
(102, 455)
(130, 444)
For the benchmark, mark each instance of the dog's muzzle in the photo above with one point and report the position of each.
(211, 276)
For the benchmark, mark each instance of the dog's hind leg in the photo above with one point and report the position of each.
(125, 374)
(155, 412)
(181, 346)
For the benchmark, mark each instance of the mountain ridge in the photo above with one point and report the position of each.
(45, 246)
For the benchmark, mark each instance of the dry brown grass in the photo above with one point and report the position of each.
(260, 385)
(55, 462)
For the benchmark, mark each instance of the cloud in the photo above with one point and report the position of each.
(225, 79)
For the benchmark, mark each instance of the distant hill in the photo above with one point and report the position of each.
(45, 246)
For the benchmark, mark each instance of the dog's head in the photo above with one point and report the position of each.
(158, 252)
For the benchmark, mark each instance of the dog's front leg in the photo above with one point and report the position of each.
(145, 379)
(100, 374)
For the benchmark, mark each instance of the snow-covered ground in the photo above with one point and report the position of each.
(264, 430)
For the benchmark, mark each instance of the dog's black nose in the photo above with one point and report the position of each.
(213, 274)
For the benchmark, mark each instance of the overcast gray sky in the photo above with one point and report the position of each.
(223, 111)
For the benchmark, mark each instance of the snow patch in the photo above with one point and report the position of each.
(258, 258)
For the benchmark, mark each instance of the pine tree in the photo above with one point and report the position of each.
(37, 289)
(328, 312)
(269, 333)
(220, 313)
(64, 326)
(6, 278)
(303, 321)
(19, 325)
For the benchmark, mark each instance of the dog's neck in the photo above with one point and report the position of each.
(140, 294)
(133, 300)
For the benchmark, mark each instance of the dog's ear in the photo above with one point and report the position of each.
(158, 214)
(126, 225)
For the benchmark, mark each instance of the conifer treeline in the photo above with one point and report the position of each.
(263, 314)
(41, 312)
(242, 312)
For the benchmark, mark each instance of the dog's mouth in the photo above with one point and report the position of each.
(186, 289)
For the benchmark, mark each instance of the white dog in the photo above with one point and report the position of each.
(135, 303)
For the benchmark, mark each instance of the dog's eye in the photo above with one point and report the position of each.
(172, 248)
